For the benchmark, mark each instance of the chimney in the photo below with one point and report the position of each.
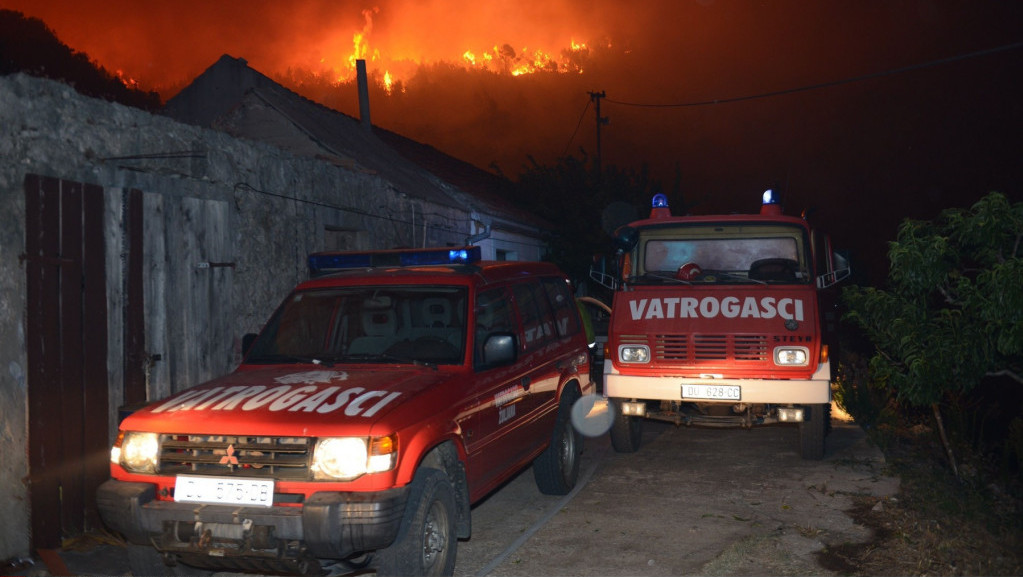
(360, 74)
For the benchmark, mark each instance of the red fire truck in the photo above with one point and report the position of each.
(721, 320)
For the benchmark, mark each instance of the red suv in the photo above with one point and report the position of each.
(384, 397)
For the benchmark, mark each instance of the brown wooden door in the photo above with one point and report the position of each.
(66, 342)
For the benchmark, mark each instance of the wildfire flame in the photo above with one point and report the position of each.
(126, 80)
(394, 71)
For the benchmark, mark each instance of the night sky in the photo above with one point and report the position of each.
(867, 112)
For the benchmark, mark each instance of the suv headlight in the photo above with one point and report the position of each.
(136, 451)
(791, 356)
(634, 354)
(346, 458)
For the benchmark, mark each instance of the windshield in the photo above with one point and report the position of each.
(392, 324)
(724, 254)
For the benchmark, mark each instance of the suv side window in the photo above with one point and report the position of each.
(537, 326)
(493, 314)
(566, 315)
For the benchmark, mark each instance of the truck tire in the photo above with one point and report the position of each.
(626, 432)
(426, 542)
(812, 430)
(557, 468)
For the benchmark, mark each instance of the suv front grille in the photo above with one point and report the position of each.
(249, 456)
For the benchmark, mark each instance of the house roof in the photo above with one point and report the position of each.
(237, 99)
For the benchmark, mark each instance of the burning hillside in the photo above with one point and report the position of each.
(395, 63)
(163, 46)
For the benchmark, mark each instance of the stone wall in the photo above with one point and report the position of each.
(279, 207)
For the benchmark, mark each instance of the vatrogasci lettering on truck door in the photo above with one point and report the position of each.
(721, 321)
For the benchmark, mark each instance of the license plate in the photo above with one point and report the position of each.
(224, 491)
(712, 392)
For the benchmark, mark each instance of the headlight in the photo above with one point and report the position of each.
(791, 356)
(137, 452)
(346, 458)
(634, 354)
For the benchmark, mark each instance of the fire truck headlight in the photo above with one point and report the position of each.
(347, 458)
(791, 356)
(137, 452)
(634, 354)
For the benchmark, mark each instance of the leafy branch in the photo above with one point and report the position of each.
(953, 312)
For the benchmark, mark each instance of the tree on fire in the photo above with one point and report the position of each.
(27, 45)
(953, 315)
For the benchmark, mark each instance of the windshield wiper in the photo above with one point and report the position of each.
(733, 275)
(291, 359)
(385, 358)
(655, 276)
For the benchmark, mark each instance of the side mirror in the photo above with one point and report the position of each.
(499, 349)
(625, 238)
(839, 271)
(604, 272)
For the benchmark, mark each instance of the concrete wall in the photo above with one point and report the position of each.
(275, 207)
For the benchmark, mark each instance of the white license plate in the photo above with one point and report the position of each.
(224, 491)
(712, 392)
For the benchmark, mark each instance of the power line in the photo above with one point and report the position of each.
(601, 120)
(827, 84)
(577, 125)
(449, 226)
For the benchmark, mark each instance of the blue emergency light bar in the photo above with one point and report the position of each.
(321, 263)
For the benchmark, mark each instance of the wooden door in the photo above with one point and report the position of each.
(66, 346)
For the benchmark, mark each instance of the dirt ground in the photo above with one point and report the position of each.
(690, 502)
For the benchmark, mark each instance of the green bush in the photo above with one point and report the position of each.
(951, 315)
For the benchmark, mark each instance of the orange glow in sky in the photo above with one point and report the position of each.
(161, 46)
(501, 83)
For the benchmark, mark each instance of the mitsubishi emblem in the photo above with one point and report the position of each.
(229, 459)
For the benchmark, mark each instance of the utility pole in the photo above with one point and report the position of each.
(601, 120)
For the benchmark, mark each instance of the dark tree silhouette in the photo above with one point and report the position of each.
(27, 45)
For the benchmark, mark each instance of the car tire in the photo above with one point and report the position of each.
(556, 470)
(812, 431)
(626, 431)
(426, 543)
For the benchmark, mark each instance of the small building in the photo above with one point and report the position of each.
(136, 250)
(232, 97)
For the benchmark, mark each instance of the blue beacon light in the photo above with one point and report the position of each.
(659, 206)
(771, 205)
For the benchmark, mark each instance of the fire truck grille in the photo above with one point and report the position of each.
(277, 457)
(695, 349)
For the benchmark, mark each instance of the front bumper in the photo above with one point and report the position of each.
(331, 525)
(815, 390)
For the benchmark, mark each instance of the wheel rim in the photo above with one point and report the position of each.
(435, 536)
(567, 452)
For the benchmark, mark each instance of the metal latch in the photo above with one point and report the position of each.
(215, 265)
